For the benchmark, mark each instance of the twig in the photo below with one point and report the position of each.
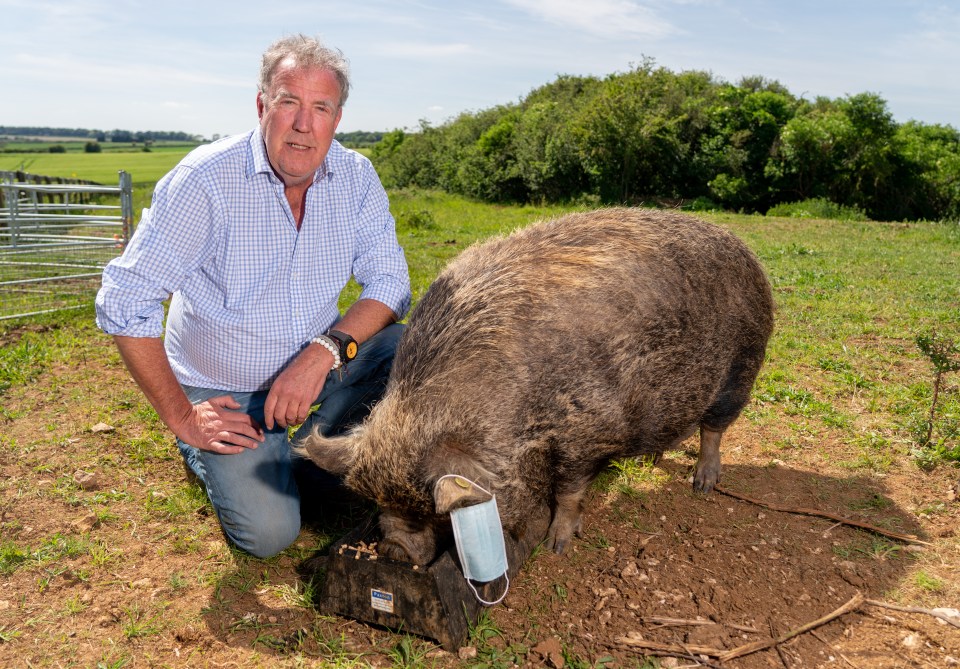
(783, 656)
(685, 652)
(914, 609)
(823, 514)
(831, 528)
(692, 652)
(669, 622)
(750, 648)
(780, 653)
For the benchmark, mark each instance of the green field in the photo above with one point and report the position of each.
(838, 284)
(146, 167)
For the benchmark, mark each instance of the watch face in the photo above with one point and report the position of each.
(351, 350)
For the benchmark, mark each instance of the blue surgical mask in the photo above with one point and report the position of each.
(479, 537)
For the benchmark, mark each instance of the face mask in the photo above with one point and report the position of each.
(479, 538)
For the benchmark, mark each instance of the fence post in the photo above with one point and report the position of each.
(4, 200)
(13, 205)
(126, 205)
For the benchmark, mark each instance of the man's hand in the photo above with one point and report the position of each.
(216, 426)
(297, 387)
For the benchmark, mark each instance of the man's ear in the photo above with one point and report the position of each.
(260, 105)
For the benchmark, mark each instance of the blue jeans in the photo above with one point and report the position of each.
(255, 493)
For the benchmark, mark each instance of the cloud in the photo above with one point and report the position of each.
(601, 18)
(51, 15)
(937, 33)
(50, 67)
(423, 49)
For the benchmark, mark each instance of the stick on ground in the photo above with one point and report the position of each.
(823, 514)
(749, 648)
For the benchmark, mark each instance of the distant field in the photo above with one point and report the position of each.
(143, 166)
(73, 145)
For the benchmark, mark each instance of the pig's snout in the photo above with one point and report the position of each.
(407, 541)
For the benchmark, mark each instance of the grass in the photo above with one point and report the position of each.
(145, 167)
(19, 363)
(851, 298)
(925, 581)
(842, 368)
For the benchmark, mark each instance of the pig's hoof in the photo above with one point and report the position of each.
(705, 479)
(560, 534)
(556, 543)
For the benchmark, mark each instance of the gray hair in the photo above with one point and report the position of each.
(306, 52)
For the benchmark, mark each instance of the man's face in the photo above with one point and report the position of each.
(298, 118)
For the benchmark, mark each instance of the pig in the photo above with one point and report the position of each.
(536, 358)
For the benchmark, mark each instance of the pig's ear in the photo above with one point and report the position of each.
(456, 492)
(334, 454)
(455, 456)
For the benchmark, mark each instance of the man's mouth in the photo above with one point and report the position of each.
(298, 147)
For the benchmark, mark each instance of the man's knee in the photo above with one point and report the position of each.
(265, 538)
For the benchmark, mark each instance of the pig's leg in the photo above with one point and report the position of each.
(707, 473)
(566, 519)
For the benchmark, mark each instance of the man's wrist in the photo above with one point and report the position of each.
(332, 346)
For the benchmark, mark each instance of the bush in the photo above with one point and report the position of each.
(92, 147)
(652, 134)
(420, 219)
(57, 148)
(701, 204)
(818, 208)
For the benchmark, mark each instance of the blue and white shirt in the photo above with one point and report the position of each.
(250, 290)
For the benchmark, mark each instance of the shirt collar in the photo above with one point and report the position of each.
(261, 163)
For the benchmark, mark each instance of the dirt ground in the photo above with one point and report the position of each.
(142, 577)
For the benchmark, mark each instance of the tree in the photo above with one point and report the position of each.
(652, 134)
(934, 152)
(808, 154)
(637, 135)
(745, 127)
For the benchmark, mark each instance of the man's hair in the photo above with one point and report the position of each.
(306, 52)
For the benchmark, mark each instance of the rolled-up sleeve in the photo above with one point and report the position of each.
(128, 306)
(165, 247)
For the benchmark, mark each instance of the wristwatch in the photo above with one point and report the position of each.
(348, 346)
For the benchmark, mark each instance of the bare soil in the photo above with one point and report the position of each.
(153, 583)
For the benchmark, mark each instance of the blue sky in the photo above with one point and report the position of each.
(192, 66)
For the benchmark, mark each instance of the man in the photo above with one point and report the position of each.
(255, 236)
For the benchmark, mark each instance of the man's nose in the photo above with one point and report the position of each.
(303, 120)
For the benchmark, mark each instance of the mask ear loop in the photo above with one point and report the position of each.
(457, 476)
(506, 576)
(497, 600)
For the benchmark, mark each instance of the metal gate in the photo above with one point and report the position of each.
(55, 240)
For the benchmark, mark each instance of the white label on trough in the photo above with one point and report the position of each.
(381, 601)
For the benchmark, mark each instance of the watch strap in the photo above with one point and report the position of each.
(348, 346)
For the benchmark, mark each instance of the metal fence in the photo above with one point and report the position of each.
(55, 240)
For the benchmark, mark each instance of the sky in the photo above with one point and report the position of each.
(191, 66)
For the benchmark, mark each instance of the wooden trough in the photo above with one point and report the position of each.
(432, 601)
